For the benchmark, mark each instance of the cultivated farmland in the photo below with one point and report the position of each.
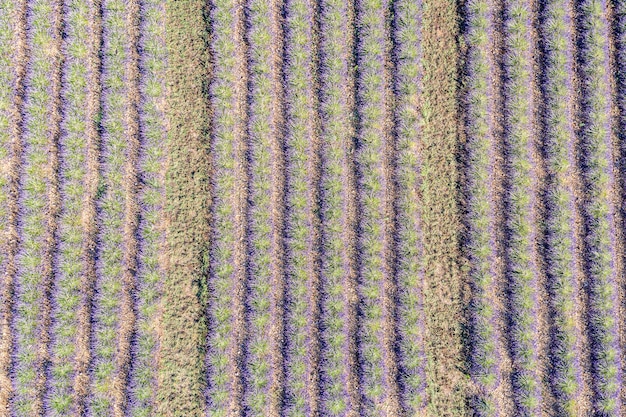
(312, 208)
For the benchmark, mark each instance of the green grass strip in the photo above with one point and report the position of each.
(181, 365)
(442, 224)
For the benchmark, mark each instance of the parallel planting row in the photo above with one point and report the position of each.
(314, 235)
(82, 158)
(544, 88)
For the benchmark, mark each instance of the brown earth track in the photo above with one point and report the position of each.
(12, 244)
(12, 236)
(350, 230)
(392, 396)
(43, 360)
(277, 323)
(83, 356)
(618, 196)
(128, 314)
(240, 193)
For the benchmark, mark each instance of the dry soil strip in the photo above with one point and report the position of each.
(128, 314)
(54, 211)
(90, 228)
(19, 64)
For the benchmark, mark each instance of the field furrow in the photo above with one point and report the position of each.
(409, 268)
(227, 281)
(13, 188)
(263, 375)
(151, 195)
(566, 353)
(39, 209)
(522, 221)
(302, 144)
(339, 298)
(130, 185)
(487, 349)
(599, 214)
(376, 193)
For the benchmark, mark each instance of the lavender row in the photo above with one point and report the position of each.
(522, 207)
(151, 231)
(107, 301)
(14, 72)
(226, 291)
(599, 215)
(486, 350)
(407, 52)
(302, 142)
(374, 152)
(339, 379)
(563, 267)
(263, 365)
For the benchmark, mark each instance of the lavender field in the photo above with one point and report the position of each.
(349, 208)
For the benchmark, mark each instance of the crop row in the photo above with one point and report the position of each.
(151, 199)
(562, 224)
(227, 275)
(407, 53)
(376, 193)
(599, 214)
(265, 296)
(485, 341)
(521, 205)
(302, 160)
